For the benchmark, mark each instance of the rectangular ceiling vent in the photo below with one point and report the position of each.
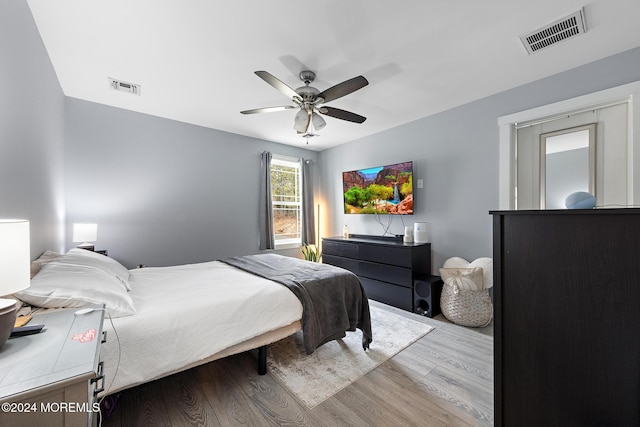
(562, 29)
(124, 86)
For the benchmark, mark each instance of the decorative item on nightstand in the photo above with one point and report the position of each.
(14, 270)
(85, 233)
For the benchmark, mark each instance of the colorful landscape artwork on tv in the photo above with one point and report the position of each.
(380, 190)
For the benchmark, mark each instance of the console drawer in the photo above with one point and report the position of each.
(399, 256)
(346, 263)
(397, 296)
(343, 249)
(386, 273)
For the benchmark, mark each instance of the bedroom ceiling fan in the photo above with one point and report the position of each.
(310, 101)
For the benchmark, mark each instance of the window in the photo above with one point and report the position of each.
(286, 199)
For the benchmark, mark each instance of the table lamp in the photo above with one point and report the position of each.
(85, 233)
(15, 272)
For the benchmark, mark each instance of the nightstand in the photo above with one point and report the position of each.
(52, 378)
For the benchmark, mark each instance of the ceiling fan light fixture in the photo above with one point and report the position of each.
(309, 100)
(317, 121)
(301, 121)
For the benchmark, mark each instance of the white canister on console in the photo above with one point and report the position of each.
(408, 235)
(420, 232)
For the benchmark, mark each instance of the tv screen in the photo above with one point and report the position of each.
(379, 190)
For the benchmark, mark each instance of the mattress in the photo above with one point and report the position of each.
(186, 314)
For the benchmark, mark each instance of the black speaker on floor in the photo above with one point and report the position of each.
(426, 296)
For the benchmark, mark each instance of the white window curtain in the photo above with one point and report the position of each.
(265, 216)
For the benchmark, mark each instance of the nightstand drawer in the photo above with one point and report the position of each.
(52, 406)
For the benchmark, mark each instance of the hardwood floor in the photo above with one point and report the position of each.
(445, 378)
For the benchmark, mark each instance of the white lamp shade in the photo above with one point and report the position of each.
(85, 232)
(301, 121)
(318, 121)
(15, 256)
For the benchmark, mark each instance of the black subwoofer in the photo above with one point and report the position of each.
(426, 296)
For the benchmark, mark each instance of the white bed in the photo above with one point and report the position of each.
(169, 319)
(218, 302)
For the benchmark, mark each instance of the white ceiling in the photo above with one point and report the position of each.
(195, 59)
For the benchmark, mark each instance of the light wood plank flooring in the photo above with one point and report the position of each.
(443, 379)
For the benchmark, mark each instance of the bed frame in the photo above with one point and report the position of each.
(259, 342)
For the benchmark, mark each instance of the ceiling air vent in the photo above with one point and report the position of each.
(555, 32)
(124, 86)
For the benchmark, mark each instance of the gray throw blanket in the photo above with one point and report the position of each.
(333, 299)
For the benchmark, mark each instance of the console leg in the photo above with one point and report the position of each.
(262, 360)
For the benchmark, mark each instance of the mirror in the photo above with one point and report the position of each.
(567, 164)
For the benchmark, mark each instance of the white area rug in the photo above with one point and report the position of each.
(336, 364)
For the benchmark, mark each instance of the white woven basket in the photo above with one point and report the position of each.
(465, 306)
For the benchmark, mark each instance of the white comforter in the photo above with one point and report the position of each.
(187, 313)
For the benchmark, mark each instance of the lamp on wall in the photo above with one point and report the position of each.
(85, 233)
(15, 270)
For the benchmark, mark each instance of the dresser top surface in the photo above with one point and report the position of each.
(599, 211)
(378, 240)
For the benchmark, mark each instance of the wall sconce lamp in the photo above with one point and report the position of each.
(85, 233)
(15, 270)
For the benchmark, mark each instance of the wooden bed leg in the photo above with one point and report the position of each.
(262, 360)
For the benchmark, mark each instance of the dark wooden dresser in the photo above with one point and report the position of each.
(567, 317)
(386, 266)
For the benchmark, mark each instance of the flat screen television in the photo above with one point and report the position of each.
(379, 190)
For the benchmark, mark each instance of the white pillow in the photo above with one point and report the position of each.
(485, 263)
(66, 285)
(43, 259)
(77, 256)
(470, 279)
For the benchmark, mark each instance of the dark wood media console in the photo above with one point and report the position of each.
(387, 267)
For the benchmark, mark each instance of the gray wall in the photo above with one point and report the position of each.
(165, 192)
(162, 192)
(456, 154)
(31, 130)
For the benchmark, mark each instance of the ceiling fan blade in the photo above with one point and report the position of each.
(344, 88)
(275, 82)
(268, 109)
(342, 114)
